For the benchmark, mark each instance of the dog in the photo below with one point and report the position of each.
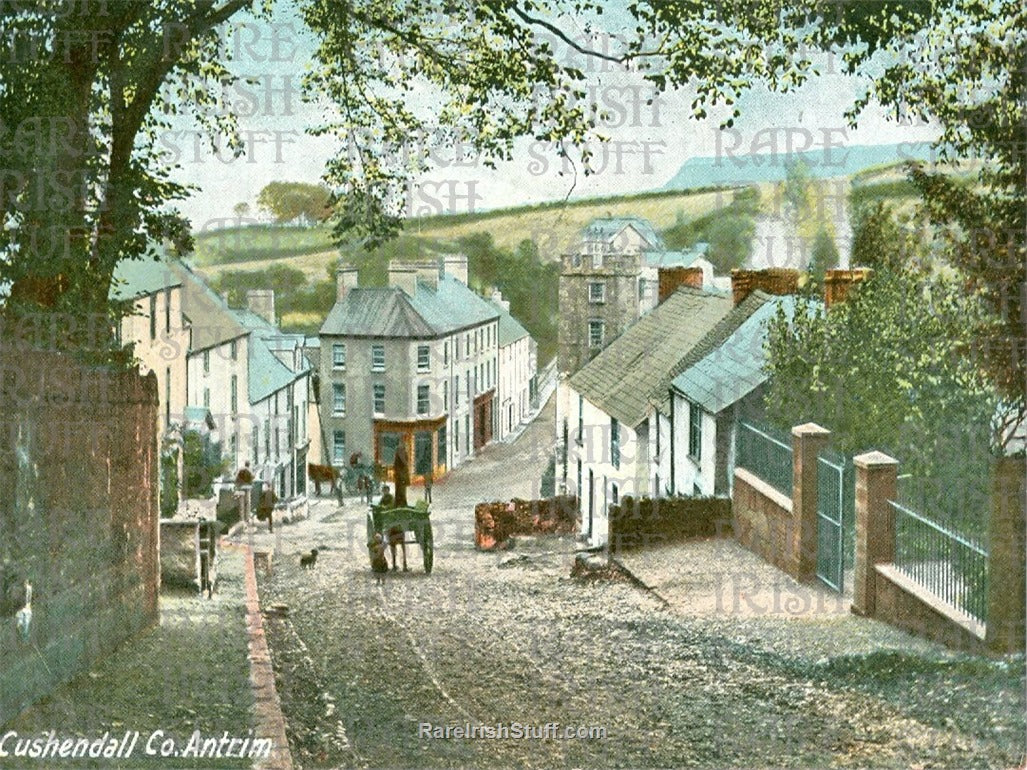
(309, 560)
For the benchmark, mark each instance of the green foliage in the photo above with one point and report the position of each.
(531, 287)
(797, 187)
(127, 76)
(254, 242)
(203, 464)
(729, 231)
(887, 369)
(284, 280)
(864, 194)
(823, 256)
(169, 479)
(959, 65)
(286, 201)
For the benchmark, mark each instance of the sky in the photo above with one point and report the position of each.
(647, 144)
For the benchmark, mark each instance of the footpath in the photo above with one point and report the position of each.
(196, 691)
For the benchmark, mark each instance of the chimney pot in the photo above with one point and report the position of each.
(772, 280)
(345, 279)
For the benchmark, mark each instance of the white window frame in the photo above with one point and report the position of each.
(375, 388)
(593, 297)
(339, 356)
(602, 332)
(377, 358)
(339, 399)
(423, 399)
(423, 358)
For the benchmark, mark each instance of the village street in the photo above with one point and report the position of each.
(511, 638)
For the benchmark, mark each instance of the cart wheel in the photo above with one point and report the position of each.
(428, 548)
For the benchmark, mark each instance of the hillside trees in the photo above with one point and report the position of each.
(286, 201)
(87, 96)
(961, 65)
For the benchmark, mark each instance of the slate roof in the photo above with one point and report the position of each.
(149, 274)
(635, 370)
(728, 363)
(209, 315)
(510, 329)
(266, 372)
(607, 228)
(390, 312)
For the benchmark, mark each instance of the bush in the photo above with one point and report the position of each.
(203, 464)
(168, 480)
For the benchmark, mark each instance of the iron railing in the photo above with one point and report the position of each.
(951, 566)
(835, 517)
(769, 456)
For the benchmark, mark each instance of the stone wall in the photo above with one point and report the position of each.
(762, 520)
(642, 521)
(495, 523)
(78, 517)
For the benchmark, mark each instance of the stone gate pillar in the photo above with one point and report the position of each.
(807, 442)
(876, 484)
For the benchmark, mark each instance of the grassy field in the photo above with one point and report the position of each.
(553, 227)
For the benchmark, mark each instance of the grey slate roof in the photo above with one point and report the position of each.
(267, 373)
(209, 315)
(636, 369)
(391, 313)
(149, 274)
(606, 228)
(729, 363)
(510, 329)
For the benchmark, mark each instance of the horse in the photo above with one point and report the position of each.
(323, 473)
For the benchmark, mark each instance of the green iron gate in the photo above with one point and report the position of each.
(835, 517)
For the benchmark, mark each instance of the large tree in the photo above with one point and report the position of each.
(88, 88)
(961, 64)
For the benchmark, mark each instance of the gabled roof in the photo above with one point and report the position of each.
(510, 329)
(608, 228)
(390, 312)
(148, 274)
(266, 372)
(728, 363)
(634, 372)
(212, 322)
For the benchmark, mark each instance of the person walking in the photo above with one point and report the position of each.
(427, 485)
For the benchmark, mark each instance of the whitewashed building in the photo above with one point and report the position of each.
(518, 367)
(612, 439)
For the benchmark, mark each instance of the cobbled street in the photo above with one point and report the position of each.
(512, 638)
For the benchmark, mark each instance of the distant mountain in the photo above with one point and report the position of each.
(740, 168)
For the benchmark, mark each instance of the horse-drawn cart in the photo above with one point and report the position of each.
(384, 521)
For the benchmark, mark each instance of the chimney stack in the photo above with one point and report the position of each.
(673, 277)
(455, 265)
(345, 279)
(772, 280)
(838, 283)
(262, 302)
(497, 298)
(403, 277)
(427, 273)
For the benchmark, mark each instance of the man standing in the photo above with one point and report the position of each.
(427, 485)
(243, 485)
